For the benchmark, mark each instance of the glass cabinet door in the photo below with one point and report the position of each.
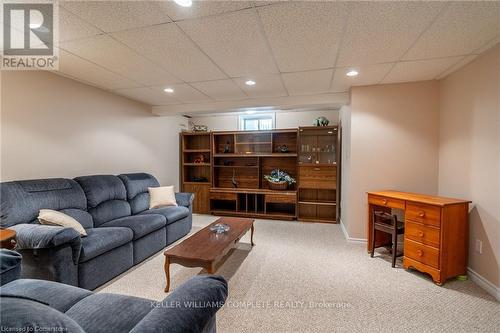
(318, 146)
(326, 153)
(307, 149)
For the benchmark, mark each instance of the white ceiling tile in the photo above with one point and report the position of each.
(148, 95)
(420, 70)
(81, 69)
(72, 27)
(220, 90)
(379, 32)
(167, 45)
(184, 93)
(460, 30)
(488, 45)
(234, 41)
(119, 15)
(368, 75)
(266, 86)
(458, 65)
(307, 83)
(303, 35)
(204, 8)
(261, 3)
(107, 52)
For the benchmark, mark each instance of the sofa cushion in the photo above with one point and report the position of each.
(101, 240)
(137, 185)
(22, 315)
(20, 201)
(57, 295)
(106, 197)
(109, 312)
(172, 213)
(57, 218)
(161, 196)
(140, 225)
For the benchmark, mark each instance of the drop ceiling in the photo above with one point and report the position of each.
(290, 49)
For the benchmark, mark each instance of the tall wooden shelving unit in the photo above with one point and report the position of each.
(240, 161)
(230, 181)
(196, 176)
(318, 182)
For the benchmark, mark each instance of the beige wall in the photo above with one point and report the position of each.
(56, 127)
(394, 144)
(221, 122)
(345, 119)
(469, 154)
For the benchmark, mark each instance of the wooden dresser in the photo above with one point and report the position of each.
(436, 231)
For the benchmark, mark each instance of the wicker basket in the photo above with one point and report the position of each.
(280, 186)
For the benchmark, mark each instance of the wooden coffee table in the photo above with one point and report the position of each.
(205, 248)
(7, 239)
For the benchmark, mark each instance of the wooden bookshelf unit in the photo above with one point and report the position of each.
(196, 168)
(318, 181)
(229, 178)
(240, 161)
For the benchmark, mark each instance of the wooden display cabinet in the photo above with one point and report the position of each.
(226, 172)
(196, 168)
(318, 181)
(240, 162)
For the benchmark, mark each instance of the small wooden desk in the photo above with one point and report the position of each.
(436, 234)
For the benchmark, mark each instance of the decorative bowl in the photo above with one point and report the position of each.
(219, 228)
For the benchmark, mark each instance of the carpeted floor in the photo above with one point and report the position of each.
(306, 277)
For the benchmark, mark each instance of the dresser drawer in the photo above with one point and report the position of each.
(422, 234)
(281, 198)
(223, 196)
(422, 253)
(324, 177)
(387, 202)
(422, 213)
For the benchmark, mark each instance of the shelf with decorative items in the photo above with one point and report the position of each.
(241, 162)
(195, 171)
(264, 174)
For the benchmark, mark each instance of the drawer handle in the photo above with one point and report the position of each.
(421, 234)
(317, 169)
(384, 201)
(421, 213)
(420, 253)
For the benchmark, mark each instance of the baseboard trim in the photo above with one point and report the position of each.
(489, 287)
(346, 235)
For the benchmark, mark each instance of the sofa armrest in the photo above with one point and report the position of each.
(189, 308)
(37, 236)
(10, 266)
(184, 199)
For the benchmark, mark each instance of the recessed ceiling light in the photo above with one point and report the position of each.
(250, 83)
(184, 3)
(168, 90)
(352, 72)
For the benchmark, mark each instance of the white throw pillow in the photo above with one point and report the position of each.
(53, 217)
(161, 196)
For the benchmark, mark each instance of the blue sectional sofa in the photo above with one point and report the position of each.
(44, 306)
(114, 210)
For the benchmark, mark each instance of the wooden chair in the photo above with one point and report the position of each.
(387, 223)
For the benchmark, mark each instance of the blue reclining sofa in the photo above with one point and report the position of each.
(114, 210)
(45, 306)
